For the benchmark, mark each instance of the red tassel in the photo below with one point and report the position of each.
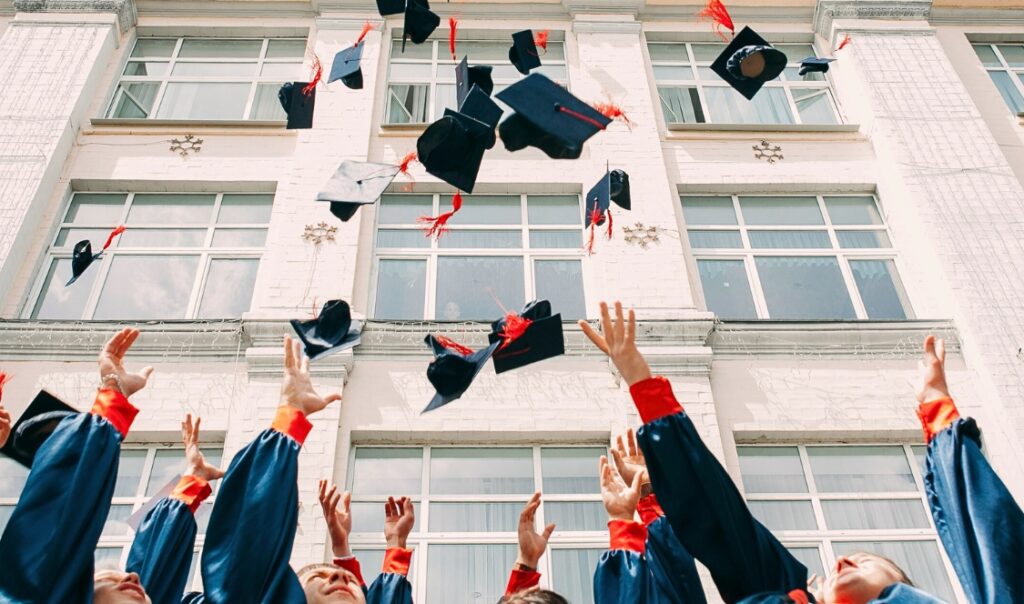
(515, 326)
(318, 72)
(408, 159)
(846, 40)
(453, 345)
(453, 23)
(590, 241)
(367, 27)
(595, 217)
(541, 39)
(581, 117)
(609, 215)
(114, 233)
(436, 226)
(3, 380)
(613, 112)
(717, 12)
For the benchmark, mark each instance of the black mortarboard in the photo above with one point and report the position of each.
(333, 330)
(542, 339)
(548, 117)
(453, 369)
(814, 64)
(453, 147)
(390, 7)
(523, 53)
(420, 22)
(748, 62)
(82, 256)
(34, 426)
(297, 104)
(355, 184)
(346, 67)
(467, 76)
(598, 200)
(481, 107)
(620, 189)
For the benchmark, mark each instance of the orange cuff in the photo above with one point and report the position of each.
(351, 564)
(114, 406)
(654, 399)
(627, 534)
(192, 491)
(397, 560)
(650, 510)
(292, 422)
(799, 596)
(936, 416)
(520, 580)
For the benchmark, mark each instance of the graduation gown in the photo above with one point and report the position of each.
(391, 586)
(46, 552)
(622, 575)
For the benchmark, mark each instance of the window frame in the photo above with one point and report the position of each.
(1016, 74)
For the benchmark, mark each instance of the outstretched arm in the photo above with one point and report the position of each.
(392, 586)
(338, 514)
(622, 576)
(532, 546)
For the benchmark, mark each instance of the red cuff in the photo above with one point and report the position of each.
(654, 399)
(192, 491)
(799, 596)
(627, 534)
(649, 509)
(292, 422)
(520, 580)
(114, 406)
(351, 564)
(936, 416)
(397, 560)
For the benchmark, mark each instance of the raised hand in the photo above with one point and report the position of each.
(629, 459)
(932, 383)
(111, 361)
(399, 518)
(297, 388)
(531, 543)
(620, 499)
(5, 425)
(339, 519)
(618, 340)
(197, 465)
(816, 587)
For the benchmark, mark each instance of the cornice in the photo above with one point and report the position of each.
(234, 8)
(828, 11)
(125, 10)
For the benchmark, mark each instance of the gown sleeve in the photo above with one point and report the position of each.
(978, 521)
(161, 553)
(519, 580)
(672, 567)
(391, 586)
(622, 575)
(252, 525)
(46, 552)
(703, 506)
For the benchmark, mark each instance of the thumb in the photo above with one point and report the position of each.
(548, 530)
(332, 398)
(146, 372)
(635, 486)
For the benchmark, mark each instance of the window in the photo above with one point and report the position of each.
(421, 81)
(467, 509)
(794, 257)
(828, 501)
(693, 94)
(183, 256)
(207, 78)
(1005, 65)
(507, 248)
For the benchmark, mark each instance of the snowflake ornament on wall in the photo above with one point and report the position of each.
(768, 152)
(189, 144)
(319, 233)
(642, 235)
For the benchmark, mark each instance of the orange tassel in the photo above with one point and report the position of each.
(846, 40)
(613, 112)
(541, 39)
(717, 12)
(3, 380)
(609, 215)
(114, 233)
(367, 27)
(318, 72)
(515, 326)
(453, 345)
(436, 226)
(453, 23)
(408, 159)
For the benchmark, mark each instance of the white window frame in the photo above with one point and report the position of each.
(843, 256)
(1015, 73)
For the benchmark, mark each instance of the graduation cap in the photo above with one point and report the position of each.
(620, 189)
(82, 256)
(331, 331)
(748, 62)
(467, 76)
(811, 64)
(346, 66)
(420, 22)
(34, 426)
(523, 53)
(390, 7)
(453, 147)
(453, 369)
(297, 99)
(532, 335)
(613, 186)
(355, 184)
(548, 117)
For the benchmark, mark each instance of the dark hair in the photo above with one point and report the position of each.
(902, 574)
(541, 596)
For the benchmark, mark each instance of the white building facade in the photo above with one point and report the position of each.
(785, 257)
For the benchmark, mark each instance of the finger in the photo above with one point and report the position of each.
(305, 364)
(346, 501)
(940, 350)
(195, 429)
(635, 486)
(606, 325)
(619, 445)
(631, 439)
(111, 346)
(297, 354)
(132, 336)
(631, 327)
(289, 362)
(617, 456)
(548, 530)
(322, 487)
(332, 398)
(119, 346)
(929, 346)
(620, 323)
(331, 493)
(407, 508)
(594, 336)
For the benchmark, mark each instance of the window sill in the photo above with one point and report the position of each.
(764, 128)
(402, 129)
(135, 124)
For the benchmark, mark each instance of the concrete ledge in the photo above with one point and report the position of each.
(195, 125)
(765, 129)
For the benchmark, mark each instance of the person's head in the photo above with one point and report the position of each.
(117, 587)
(323, 583)
(861, 577)
(534, 596)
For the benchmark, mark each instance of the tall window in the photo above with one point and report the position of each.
(467, 509)
(207, 78)
(421, 81)
(507, 248)
(1005, 65)
(828, 501)
(794, 257)
(183, 256)
(693, 94)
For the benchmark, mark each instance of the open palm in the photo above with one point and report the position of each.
(297, 388)
(111, 362)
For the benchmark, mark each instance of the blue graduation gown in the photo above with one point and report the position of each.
(898, 593)
(622, 575)
(46, 552)
(674, 573)
(391, 586)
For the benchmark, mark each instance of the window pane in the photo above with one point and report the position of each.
(851, 469)
(370, 563)
(173, 209)
(129, 472)
(167, 465)
(727, 106)
(402, 466)
(1012, 54)
(853, 210)
(495, 471)
(488, 209)
(572, 572)
(468, 285)
(482, 50)
(203, 516)
(665, 73)
(726, 290)
(285, 71)
(59, 302)
(681, 104)
(792, 74)
(116, 524)
(781, 210)
(714, 239)
(471, 573)
(863, 239)
(668, 52)
(70, 237)
(412, 51)
(147, 287)
(215, 69)
(239, 237)
(874, 514)
(413, 71)
(407, 103)
(401, 286)
(12, 477)
(555, 239)
(151, 48)
(920, 453)
(403, 209)
(1008, 90)
(245, 209)
(368, 517)
(481, 239)
(557, 73)
(571, 470)
(444, 97)
(707, 52)
(474, 517)
(790, 239)
(880, 289)
(576, 516)
(987, 55)
(814, 106)
(796, 52)
(229, 287)
(553, 209)
(286, 49)
(5, 516)
(784, 515)
(204, 100)
(265, 105)
(220, 49)
(401, 238)
(561, 283)
(804, 288)
(140, 237)
(107, 558)
(134, 100)
(708, 210)
(96, 208)
(919, 559)
(809, 557)
(771, 470)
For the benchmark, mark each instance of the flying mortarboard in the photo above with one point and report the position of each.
(82, 256)
(453, 147)
(467, 76)
(481, 107)
(748, 62)
(523, 53)
(453, 369)
(540, 338)
(297, 99)
(390, 7)
(620, 189)
(613, 187)
(34, 426)
(419, 23)
(346, 66)
(548, 117)
(811, 64)
(332, 331)
(355, 184)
